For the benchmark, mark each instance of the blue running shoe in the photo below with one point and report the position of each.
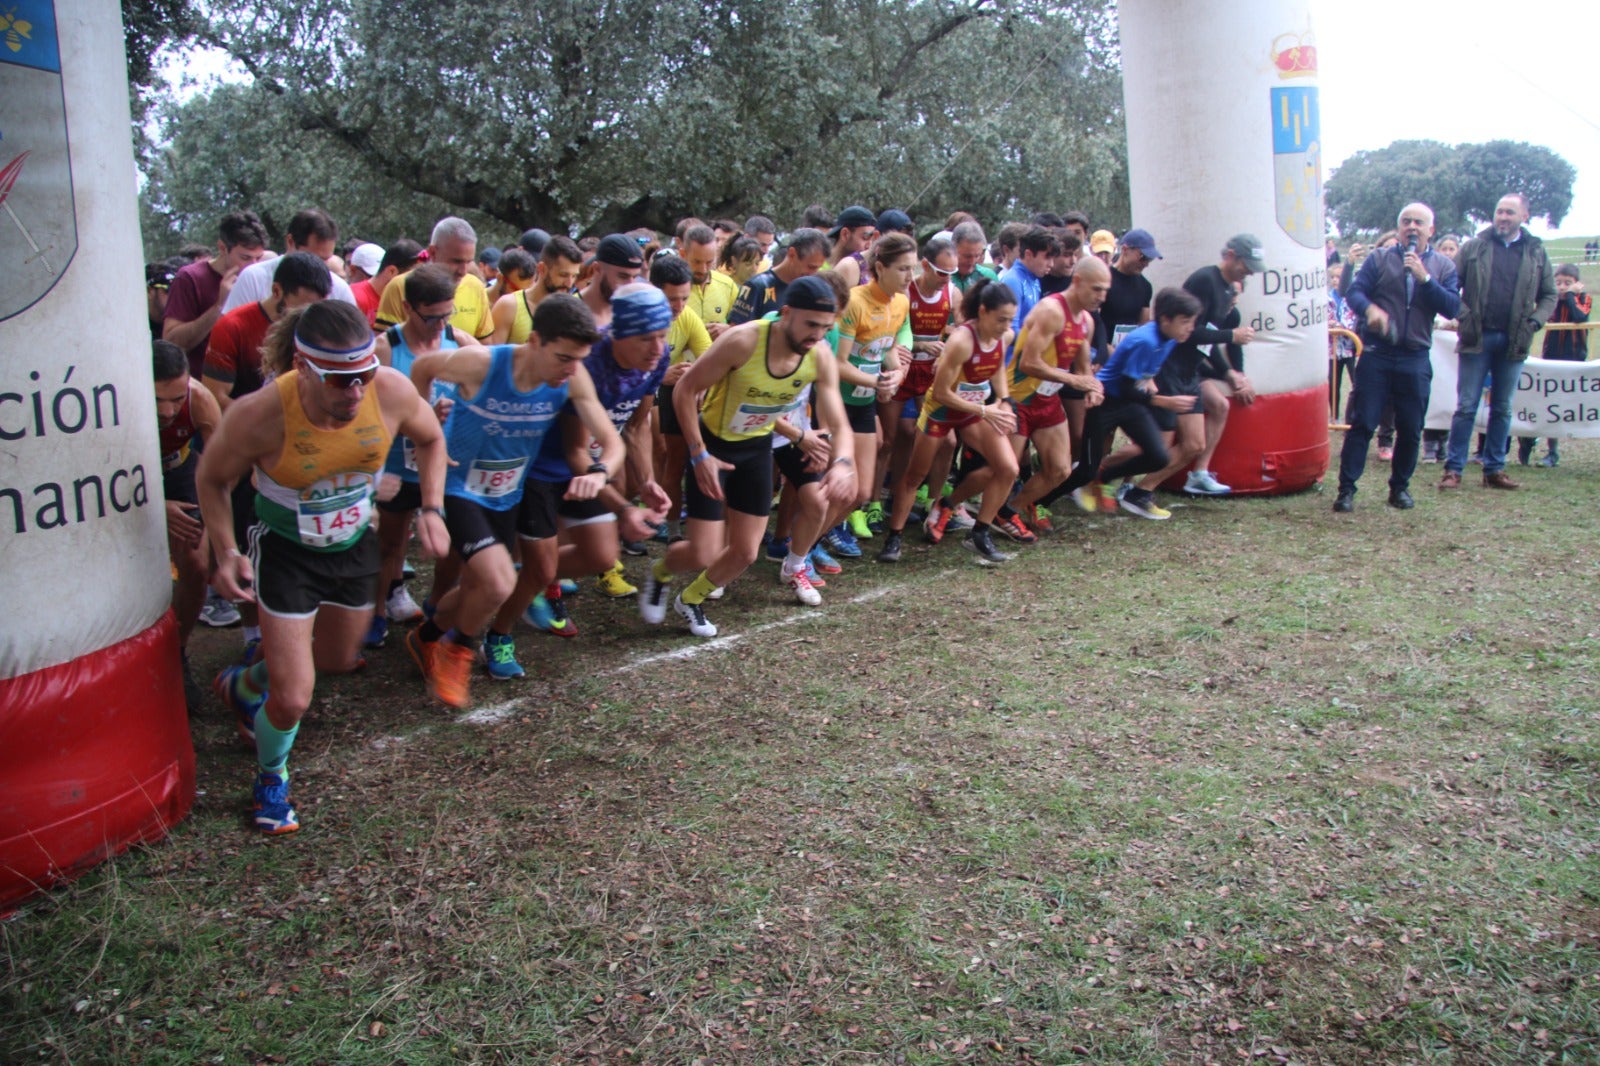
(840, 541)
(500, 653)
(822, 562)
(377, 633)
(226, 686)
(274, 815)
(569, 587)
(812, 576)
(778, 550)
(550, 616)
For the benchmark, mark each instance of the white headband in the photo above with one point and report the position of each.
(362, 357)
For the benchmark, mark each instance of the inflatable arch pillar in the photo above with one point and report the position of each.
(94, 740)
(1224, 137)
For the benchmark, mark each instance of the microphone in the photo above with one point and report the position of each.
(1411, 281)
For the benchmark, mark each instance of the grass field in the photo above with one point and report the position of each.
(1260, 783)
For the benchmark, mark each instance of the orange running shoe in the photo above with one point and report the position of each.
(422, 653)
(451, 679)
(937, 522)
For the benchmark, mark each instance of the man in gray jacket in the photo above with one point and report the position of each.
(1507, 291)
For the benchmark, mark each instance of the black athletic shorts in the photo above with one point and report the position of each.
(747, 488)
(244, 509)
(474, 528)
(863, 417)
(536, 514)
(292, 581)
(669, 414)
(408, 498)
(1172, 385)
(178, 483)
(792, 465)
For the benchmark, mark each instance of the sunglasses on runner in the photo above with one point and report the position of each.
(939, 270)
(342, 380)
(434, 320)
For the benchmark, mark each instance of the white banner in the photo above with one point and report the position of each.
(1554, 398)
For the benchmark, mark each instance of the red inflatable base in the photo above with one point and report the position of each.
(95, 756)
(1277, 444)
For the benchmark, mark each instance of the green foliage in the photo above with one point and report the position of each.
(636, 113)
(1461, 183)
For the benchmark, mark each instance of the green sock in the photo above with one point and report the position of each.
(698, 589)
(661, 571)
(252, 681)
(273, 744)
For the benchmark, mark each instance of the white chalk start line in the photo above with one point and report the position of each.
(499, 712)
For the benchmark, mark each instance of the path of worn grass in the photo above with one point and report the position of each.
(1253, 783)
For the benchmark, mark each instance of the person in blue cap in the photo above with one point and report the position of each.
(1128, 303)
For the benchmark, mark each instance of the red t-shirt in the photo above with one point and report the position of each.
(367, 299)
(194, 291)
(234, 354)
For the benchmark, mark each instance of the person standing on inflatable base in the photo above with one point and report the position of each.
(316, 439)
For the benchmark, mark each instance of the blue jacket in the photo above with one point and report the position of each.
(1381, 283)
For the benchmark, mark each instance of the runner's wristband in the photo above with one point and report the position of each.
(696, 460)
(432, 510)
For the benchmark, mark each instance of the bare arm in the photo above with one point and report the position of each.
(412, 417)
(464, 367)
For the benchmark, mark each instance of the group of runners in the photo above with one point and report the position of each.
(527, 434)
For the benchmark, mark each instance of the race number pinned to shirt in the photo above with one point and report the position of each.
(335, 511)
(494, 478)
(752, 418)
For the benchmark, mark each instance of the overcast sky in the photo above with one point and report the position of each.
(1464, 71)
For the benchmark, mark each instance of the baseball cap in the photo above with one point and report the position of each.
(1141, 241)
(852, 218)
(810, 293)
(533, 241)
(620, 251)
(894, 221)
(369, 257)
(489, 256)
(1102, 240)
(1247, 246)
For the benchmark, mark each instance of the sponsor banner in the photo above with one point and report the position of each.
(1554, 398)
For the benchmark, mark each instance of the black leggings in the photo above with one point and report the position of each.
(1136, 421)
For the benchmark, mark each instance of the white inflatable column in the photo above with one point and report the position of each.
(1223, 137)
(94, 740)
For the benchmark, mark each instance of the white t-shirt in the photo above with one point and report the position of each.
(255, 283)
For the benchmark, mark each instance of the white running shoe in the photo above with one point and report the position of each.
(804, 591)
(961, 518)
(653, 599)
(1205, 483)
(695, 615)
(401, 607)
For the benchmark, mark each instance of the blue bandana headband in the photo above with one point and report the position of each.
(642, 311)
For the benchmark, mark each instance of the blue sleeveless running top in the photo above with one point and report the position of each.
(494, 436)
